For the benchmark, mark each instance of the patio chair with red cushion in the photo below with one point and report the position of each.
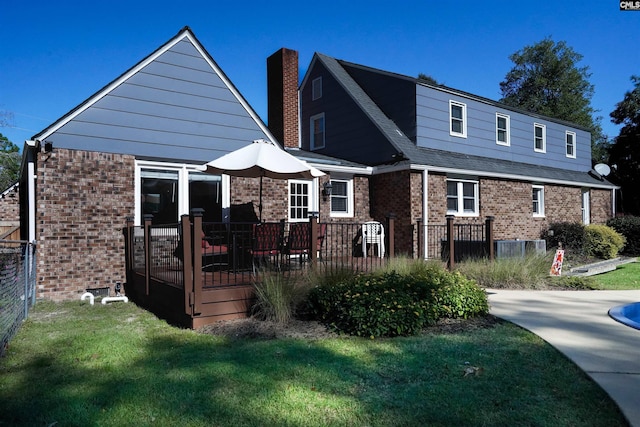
(267, 243)
(299, 240)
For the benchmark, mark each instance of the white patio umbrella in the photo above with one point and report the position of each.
(260, 159)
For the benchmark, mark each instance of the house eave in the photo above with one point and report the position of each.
(420, 167)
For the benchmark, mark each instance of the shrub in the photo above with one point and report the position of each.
(629, 227)
(277, 296)
(508, 273)
(463, 298)
(391, 304)
(602, 241)
(570, 234)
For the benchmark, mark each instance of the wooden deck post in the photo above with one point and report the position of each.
(147, 252)
(313, 241)
(450, 242)
(196, 217)
(128, 246)
(391, 219)
(489, 237)
(187, 265)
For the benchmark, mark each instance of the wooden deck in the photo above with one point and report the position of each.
(193, 293)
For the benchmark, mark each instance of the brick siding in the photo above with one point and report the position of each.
(10, 207)
(83, 199)
(601, 206)
(510, 202)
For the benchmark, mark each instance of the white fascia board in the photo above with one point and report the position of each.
(512, 177)
(342, 169)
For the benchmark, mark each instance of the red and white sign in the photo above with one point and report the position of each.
(556, 267)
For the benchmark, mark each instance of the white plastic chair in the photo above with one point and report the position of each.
(373, 233)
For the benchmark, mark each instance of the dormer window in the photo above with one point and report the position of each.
(458, 119)
(502, 129)
(316, 89)
(539, 138)
(571, 144)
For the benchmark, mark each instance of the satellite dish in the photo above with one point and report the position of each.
(602, 169)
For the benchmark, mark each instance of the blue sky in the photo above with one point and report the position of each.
(54, 55)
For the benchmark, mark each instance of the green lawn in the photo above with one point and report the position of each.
(73, 364)
(625, 277)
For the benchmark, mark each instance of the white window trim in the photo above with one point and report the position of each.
(350, 197)
(508, 129)
(313, 197)
(544, 138)
(464, 119)
(183, 187)
(312, 120)
(476, 198)
(573, 134)
(540, 212)
(316, 88)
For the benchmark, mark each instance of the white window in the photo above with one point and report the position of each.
(539, 138)
(317, 131)
(462, 198)
(341, 198)
(169, 190)
(458, 119)
(571, 144)
(299, 200)
(503, 124)
(538, 200)
(316, 88)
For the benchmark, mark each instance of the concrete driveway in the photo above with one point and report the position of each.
(577, 324)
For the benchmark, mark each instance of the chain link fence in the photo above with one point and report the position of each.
(17, 287)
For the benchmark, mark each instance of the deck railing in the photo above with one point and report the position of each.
(193, 272)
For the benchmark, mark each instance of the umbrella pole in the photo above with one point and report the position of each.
(260, 205)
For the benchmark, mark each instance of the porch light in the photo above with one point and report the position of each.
(326, 190)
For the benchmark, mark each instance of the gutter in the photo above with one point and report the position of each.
(512, 177)
(32, 147)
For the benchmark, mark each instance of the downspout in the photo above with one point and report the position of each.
(425, 216)
(31, 190)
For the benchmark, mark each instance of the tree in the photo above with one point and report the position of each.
(9, 162)
(547, 80)
(625, 150)
(428, 79)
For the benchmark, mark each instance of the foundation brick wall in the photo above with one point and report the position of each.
(83, 199)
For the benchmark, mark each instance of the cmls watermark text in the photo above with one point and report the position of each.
(630, 5)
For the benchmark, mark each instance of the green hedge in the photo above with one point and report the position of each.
(570, 234)
(629, 227)
(390, 304)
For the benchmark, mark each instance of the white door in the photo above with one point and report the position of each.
(586, 204)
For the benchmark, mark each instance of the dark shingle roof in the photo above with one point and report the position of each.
(410, 153)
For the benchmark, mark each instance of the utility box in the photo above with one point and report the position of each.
(519, 248)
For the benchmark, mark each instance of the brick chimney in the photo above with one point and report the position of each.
(282, 96)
